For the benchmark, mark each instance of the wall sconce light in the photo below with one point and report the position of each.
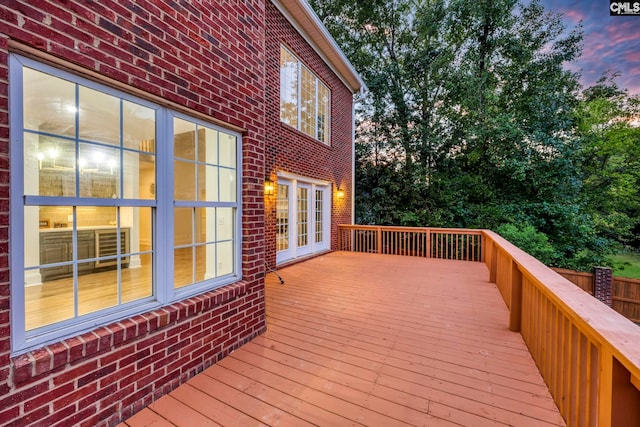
(269, 187)
(340, 193)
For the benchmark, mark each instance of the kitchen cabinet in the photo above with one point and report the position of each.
(57, 246)
(86, 250)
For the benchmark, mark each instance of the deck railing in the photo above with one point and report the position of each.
(444, 243)
(588, 354)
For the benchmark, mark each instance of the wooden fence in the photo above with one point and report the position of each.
(588, 354)
(625, 293)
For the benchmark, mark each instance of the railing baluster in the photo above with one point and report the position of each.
(447, 246)
(557, 354)
(593, 386)
(605, 392)
(443, 246)
(515, 313)
(453, 245)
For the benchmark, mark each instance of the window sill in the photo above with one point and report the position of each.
(51, 357)
(304, 135)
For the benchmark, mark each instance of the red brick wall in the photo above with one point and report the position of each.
(205, 56)
(289, 150)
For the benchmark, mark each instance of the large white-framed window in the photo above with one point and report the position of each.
(304, 99)
(303, 216)
(118, 205)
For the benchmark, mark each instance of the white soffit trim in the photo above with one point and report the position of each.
(302, 178)
(307, 23)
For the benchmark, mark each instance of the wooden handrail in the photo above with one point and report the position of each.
(588, 354)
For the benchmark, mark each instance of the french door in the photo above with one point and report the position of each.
(303, 217)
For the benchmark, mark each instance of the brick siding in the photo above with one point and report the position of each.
(289, 150)
(207, 57)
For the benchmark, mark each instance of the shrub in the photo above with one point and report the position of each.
(530, 240)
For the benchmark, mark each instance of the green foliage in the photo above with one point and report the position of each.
(472, 120)
(609, 159)
(529, 240)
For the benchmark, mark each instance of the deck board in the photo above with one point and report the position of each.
(376, 340)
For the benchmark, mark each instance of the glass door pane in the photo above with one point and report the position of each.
(282, 218)
(303, 216)
(304, 220)
(319, 216)
(285, 227)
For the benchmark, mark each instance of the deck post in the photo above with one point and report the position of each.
(625, 406)
(605, 387)
(379, 239)
(515, 312)
(618, 396)
(602, 284)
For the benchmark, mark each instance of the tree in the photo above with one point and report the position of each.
(609, 158)
(469, 118)
(399, 48)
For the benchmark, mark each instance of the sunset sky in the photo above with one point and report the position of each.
(611, 42)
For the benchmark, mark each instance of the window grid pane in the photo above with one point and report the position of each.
(83, 140)
(322, 125)
(304, 99)
(308, 103)
(282, 218)
(76, 150)
(99, 169)
(81, 250)
(50, 166)
(99, 116)
(39, 85)
(204, 236)
(183, 273)
(319, 217)
(288, 88)
(303, 215)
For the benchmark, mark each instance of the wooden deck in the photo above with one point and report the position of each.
(376, 340)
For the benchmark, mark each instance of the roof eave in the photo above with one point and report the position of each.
(300, 14)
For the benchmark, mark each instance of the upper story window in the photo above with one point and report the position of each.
(304, 99)
(118, 205)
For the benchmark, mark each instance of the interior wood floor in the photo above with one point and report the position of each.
(53, 301)
(374, 340)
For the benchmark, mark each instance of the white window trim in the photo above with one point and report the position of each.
(163, 291)
(292, 252)
(305, 179)
(318, 81)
